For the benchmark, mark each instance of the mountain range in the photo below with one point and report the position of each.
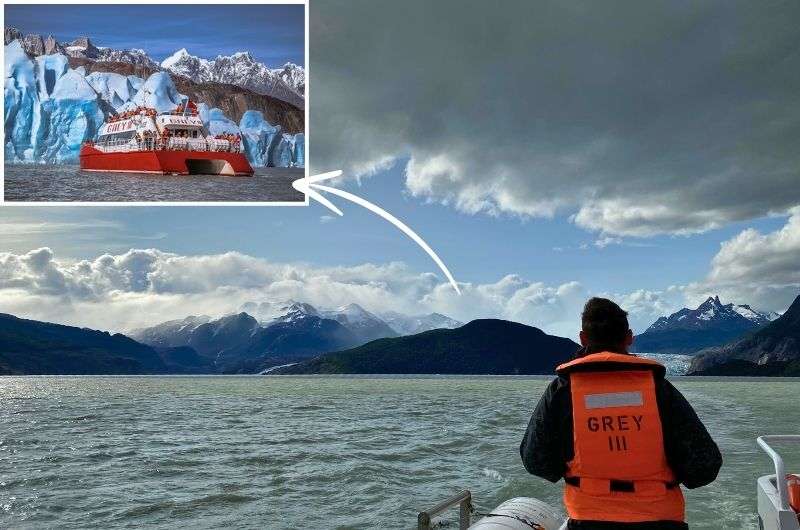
(241, 69)
(690, 330)
(286, 83)
(297, 338)
(488, 346)
(771, 350)
(33, 347)
(267, 334)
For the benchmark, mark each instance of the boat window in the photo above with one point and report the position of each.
(117, 137)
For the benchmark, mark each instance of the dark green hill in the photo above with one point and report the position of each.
(480, 347)
(33, 347)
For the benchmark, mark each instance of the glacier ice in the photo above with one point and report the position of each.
(266, 146)
(114, 89)
(218, 123)
(50, 110)
(159, 93)
(73, 115)
(258, 137)
(49, 68)
(21, 104)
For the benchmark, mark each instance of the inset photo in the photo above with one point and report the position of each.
(153, 103)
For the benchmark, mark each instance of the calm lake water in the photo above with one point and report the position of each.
(316, 452)
(33, 182)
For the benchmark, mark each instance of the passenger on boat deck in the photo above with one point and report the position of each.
(622, 437)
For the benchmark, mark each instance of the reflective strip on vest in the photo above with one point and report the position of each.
(618, 436)
(613, 399)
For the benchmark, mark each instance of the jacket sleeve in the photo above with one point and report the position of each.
(691, 452)
(542, 448)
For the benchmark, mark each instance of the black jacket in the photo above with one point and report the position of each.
(691, 453)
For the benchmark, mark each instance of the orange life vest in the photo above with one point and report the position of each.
(619, 471)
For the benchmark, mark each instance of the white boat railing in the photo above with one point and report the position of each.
(169, 144)
(777, 460)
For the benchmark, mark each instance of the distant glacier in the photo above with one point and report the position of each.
(51, 109)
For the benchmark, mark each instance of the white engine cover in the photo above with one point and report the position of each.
(521, 513)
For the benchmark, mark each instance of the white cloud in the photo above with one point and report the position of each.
(762, 270)
(146, 286)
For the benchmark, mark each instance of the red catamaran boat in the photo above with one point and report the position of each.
(177, 143)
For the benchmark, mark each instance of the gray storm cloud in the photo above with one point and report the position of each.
(635, 118)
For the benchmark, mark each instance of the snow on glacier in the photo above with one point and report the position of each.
(218, 123)
(50, 110)
(115, 89)
(159, 93)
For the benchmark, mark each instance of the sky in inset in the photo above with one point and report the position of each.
(273, 34)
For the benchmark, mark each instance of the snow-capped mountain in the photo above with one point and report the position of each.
(410, 325)
(772, 350)
(132, 56)
(363, 324)
(239, 343)
(287, 83)
(172, 333)
(82, 47)
(241, 69)
(293, 75)
(690, 330)
(284, 311)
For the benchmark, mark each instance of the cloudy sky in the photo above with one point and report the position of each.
(548, 152)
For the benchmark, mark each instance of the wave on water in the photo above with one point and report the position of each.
(492, 474)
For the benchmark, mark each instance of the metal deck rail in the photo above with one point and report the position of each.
(171, 144)
(777, 460)
(464, 502)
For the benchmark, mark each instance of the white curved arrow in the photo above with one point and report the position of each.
(310, 185)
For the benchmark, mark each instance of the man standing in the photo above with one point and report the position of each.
(618, 433)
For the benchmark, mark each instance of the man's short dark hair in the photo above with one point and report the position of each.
(604, 323)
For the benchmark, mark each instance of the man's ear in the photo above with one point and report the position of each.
(584, 341)
(628, 338)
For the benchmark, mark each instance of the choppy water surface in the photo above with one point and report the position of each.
(326, 452)
(34, 182)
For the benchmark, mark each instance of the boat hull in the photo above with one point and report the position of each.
(166, 162)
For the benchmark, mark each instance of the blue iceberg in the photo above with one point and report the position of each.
(50, 110)
(265, 145)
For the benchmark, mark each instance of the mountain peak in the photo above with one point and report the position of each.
(244, 55)
(712, 323)
(175, 58)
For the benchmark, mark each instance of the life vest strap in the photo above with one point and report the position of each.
(601, 485)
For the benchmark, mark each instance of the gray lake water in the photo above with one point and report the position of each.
(316, 452)
(48, 183)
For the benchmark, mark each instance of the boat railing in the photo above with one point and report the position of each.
(780, 469)
(168, 144)
(464, 502)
